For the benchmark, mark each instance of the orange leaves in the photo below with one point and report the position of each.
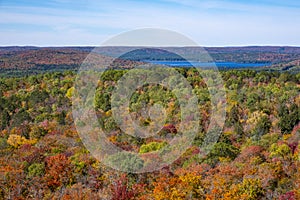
(184, 184)
(168, 188)
(58, 171)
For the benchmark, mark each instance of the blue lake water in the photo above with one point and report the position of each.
(208, 64)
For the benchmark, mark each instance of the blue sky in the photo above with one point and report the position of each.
(91, 22)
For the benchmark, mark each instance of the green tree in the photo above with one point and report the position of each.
(262, 127)
(36, 169)
(288, 118)
(125, 161)
(152, 146)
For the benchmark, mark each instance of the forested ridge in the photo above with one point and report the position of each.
(18, 61)
(257, 155)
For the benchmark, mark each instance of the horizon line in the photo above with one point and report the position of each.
(95, 46)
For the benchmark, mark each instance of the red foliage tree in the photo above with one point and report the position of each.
(58, 171)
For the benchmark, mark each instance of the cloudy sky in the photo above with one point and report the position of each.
(208, 22)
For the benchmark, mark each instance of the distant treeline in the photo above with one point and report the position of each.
(16, 61)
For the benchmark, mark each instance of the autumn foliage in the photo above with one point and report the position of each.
(257, 155)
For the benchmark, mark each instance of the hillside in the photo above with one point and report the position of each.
(42, 154)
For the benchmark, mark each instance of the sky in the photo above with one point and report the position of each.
(207, 22)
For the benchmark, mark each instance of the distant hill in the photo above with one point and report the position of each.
(32, 57)
(61, 58)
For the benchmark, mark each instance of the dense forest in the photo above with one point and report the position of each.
(257, 155)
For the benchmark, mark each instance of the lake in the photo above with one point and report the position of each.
(208, 64)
